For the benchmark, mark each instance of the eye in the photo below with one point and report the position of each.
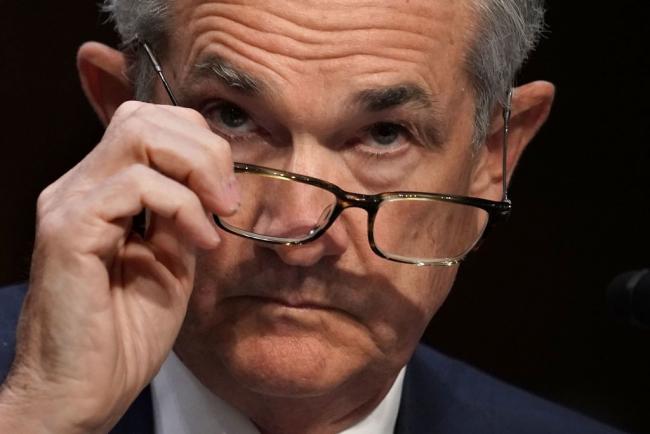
(385, 134)
(385, 137)
(229, 119)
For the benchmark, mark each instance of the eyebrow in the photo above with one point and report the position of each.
(228, 75)
(383, 98)
(391, 97)
(370, 100)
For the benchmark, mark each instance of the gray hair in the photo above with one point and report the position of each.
(505, 33)
(145, 20)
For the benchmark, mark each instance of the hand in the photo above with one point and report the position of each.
(105, 305)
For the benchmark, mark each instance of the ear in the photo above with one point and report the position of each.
(531, 105)
(102, 71)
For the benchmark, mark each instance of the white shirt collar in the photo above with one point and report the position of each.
(182, 405)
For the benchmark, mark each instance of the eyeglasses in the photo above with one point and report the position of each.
(424, 229)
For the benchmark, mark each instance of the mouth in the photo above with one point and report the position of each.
(290, 303)
(287, 308)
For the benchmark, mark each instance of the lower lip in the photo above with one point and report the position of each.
(278, 314)
(280, 303)
(305, 307)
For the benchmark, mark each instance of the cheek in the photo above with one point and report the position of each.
(401, 319)
(217, 273)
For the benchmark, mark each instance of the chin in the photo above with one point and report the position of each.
(286, 353)
(288, 366)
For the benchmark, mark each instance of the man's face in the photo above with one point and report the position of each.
(309, 320)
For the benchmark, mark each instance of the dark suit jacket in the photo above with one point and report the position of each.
(440, 395)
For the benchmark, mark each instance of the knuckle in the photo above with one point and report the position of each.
(135, 117)
(133, 125)
(187, 204)
(193, 116)
(219, 156)
(222, 146)
(127, 109)
(203, 178)
(206, 166)
(51, 225)
(44, 199)
(191, 199)
(137, 172)
(49, 198)
(132, 140)
(126, 129)
(134, 177)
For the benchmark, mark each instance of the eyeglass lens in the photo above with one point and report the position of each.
(419, 230)
(280, 210)
(285, 211)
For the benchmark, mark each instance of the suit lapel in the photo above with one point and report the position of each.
(139, 417)
(426, 400)
(408, 418)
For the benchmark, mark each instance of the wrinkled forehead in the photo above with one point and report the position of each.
(336, 15)
(426, 32)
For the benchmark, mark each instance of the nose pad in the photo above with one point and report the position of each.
(323, 219)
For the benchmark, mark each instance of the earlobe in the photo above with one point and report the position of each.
(102, 71)
(531, 105)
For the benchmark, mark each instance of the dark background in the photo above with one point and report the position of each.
(530, 306)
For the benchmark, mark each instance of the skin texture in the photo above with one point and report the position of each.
(241, 337)
(321, 330)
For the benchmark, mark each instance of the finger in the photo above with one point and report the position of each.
(130, 191)
(171, 249)
(178, 143)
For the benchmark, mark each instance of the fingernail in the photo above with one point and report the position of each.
(232, 195)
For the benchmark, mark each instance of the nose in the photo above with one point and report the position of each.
(297, 212)
(300, 209)
(331, 244)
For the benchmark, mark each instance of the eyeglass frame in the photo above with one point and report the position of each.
(496, 210)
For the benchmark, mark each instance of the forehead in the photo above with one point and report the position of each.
(328, 38)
